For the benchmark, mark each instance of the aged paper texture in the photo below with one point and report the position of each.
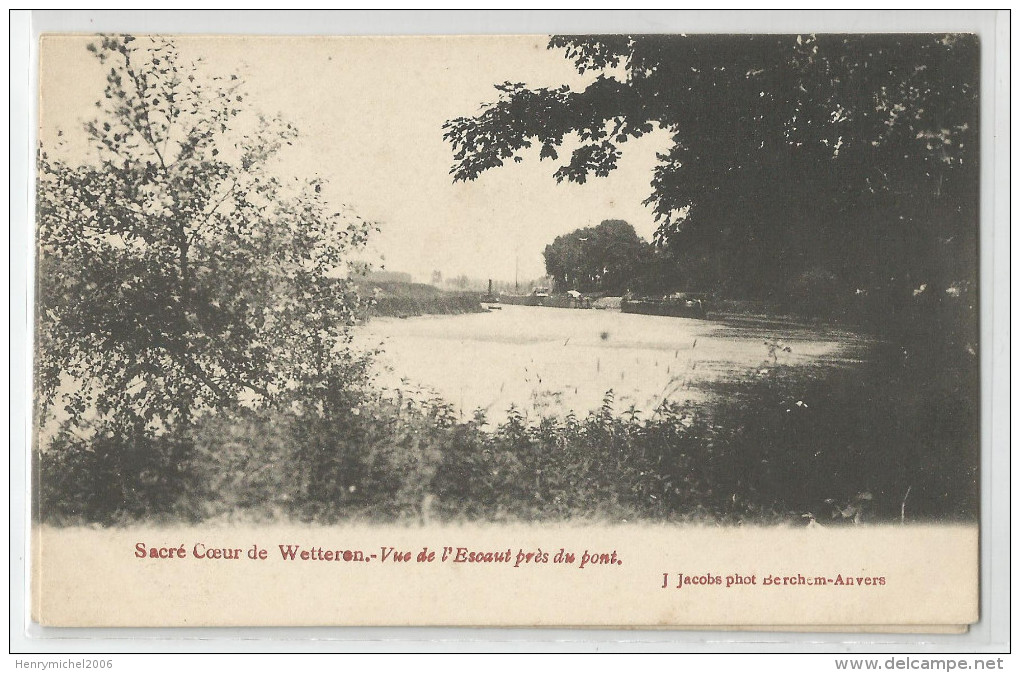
(928, 576)
(653, 331)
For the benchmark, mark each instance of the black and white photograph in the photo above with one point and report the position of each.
(293, 290)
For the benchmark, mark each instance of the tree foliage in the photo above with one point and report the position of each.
(607, 258)
(178, 273)
(850, 158)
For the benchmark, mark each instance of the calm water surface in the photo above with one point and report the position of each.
(548, 360)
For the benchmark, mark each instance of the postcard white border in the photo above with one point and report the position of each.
(994, 30)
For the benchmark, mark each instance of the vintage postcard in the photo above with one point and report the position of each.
(628, 331)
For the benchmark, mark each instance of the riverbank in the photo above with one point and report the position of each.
(404, 300)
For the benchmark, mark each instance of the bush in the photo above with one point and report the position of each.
(402, 300)
(115, 474)
(879, 441)
(870, 443)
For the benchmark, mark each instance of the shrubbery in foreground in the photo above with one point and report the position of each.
(784, 446)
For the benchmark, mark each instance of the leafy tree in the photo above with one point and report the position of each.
(847, 158)
(608, 258)
(177, 273)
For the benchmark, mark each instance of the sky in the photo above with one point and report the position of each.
(370, 112)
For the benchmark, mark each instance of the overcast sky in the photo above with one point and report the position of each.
(370, 112)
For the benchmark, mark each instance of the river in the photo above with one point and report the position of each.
(552, 361)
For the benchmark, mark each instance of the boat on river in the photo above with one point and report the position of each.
(541, 296)
(676, 305)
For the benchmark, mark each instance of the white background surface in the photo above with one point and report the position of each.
(991, 634)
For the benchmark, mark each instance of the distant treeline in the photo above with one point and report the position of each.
(388, 277)
(465, 283)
